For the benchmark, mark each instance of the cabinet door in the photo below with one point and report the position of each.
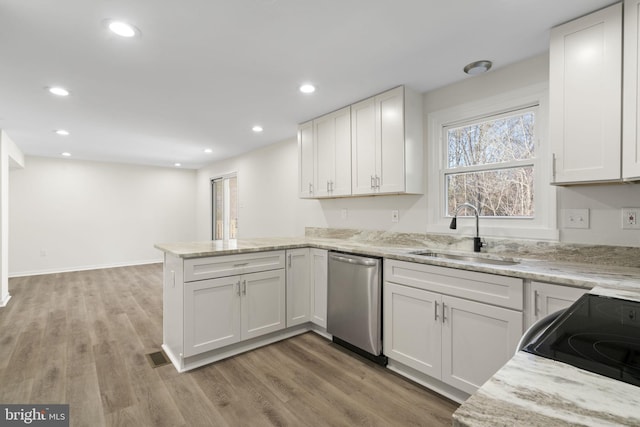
(263, 303)
(585, 95)
(477, 340)
(318, 277)
(390, 140)
(363, 147)
(341, 185)
(412, 327)
(298, 287)
(305, 160)
(547, 298)
(211, 314)
(332, 141)
(631, 92)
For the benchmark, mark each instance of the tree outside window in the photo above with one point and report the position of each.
(490, 164)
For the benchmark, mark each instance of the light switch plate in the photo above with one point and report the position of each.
(575, 218)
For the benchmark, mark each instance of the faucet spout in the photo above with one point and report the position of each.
(477, 242)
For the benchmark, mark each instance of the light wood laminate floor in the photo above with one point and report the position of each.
(81, 338)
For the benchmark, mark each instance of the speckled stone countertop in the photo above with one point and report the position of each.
(584, 267)
(534, 391)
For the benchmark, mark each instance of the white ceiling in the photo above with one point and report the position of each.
(203, 72)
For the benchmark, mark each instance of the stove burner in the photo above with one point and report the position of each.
(597, 334)
(599, 347)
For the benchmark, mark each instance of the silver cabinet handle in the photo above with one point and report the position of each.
(242, 264)
(444, 313)
(310, 188)
(238, 287)
(435, 311)
(377, 182)
(244, 287)
(373, 182)
(535, 303)
(289, 260)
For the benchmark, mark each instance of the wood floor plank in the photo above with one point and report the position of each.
(81, 338)
(194, 406)
(83, 396)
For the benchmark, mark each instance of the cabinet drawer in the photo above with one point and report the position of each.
(229, 265)
(489, 288)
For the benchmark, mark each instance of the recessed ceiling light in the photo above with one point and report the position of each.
(257, 129)
(177, 165)
(66, 154)
(62, 132)
(208, 150)
(307, 88)
(122, 28)
(60, 91)
(478, 67)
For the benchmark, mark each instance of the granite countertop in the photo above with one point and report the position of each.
(534, 391)
(585, 274)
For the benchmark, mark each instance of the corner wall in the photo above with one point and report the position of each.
(10, 158)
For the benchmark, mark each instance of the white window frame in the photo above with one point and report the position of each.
(543, 224)
(227, 208)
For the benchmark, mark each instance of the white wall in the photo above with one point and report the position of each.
(68, 215)
(268, 179)
(267, 191)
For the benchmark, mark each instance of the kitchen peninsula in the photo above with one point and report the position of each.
(561, 264)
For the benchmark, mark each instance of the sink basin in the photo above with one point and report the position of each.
(470, 258)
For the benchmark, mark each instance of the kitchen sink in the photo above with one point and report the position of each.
(470, 258)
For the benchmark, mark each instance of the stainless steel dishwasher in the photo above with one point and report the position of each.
(354, 306)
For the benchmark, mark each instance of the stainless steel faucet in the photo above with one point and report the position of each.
(477, 242)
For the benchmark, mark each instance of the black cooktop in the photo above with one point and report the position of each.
(598, 334)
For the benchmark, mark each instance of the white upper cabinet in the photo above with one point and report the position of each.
(332, 143)
(305, 160)
(372, 147)
(386, 143)
(631, 93)
(585, 84)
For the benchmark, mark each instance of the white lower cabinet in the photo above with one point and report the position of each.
(298, 287)
(412, 331)
(547, 298)
(318, 281)
(477, 340)
(220, 312)
(449, 338)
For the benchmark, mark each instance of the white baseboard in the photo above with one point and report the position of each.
(83, 268)
(5, 301)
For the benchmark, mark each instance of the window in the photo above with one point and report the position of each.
(492, 154)
(224, 207)
(490, 164)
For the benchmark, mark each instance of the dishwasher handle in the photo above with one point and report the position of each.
(370, 262)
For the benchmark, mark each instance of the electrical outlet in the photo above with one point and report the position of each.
(575, 218)
(630, 219)
(395, 216)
